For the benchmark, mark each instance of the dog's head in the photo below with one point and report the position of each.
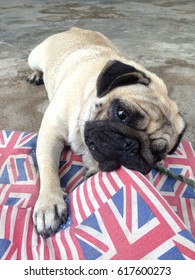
(134, 123)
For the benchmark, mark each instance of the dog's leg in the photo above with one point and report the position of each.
(50, 210)
(91, 165)
(36, 78)
(34, 60)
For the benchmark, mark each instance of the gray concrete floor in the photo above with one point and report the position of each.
(158, 34)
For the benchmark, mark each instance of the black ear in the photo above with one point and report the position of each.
(116, 74)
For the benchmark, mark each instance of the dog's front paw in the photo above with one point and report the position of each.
(49, 214)
(36, 78)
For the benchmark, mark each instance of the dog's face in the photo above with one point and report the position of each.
(135, 123)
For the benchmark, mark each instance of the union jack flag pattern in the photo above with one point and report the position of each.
(114, 215)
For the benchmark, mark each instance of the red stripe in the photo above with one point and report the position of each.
(189, 150)
(29, 238)
(147, 243)
(189, 206)
(160, 199)
(66, 245)
(29, 169)
(7, 212)
(14, 169)
(25, 139)
(80, 204)
(102, 184)
(71, 185)
(55, 246)
(2, 140)
(11, 149)
(95, 191)
(128, 211)
(190, 253)
(76, 243)
(88, 201)
(5, 194)
(18, 232)
(112, 181)
(46, 255)
(176, 201)
(91, 239)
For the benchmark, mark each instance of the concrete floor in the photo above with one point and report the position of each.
(158, 34)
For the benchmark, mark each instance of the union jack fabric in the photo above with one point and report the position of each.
(112, 215)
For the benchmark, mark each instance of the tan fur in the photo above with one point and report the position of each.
(71, 63)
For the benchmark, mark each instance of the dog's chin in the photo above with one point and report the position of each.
(112, 145)
(131, 162)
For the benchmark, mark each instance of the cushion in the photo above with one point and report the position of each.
(111, 215)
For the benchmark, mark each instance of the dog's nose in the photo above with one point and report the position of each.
(131, 146)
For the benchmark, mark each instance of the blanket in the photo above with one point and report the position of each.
(112, 215)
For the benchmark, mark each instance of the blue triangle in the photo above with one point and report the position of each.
(92, 222)
(172, 254)
(21, 169)
(185, 233)
(168, 185)
(176, 170)
(89, 252)
(62, 163)
(4, 245)
(154, 173)
(4, 179)
(189, 192)
(12, 201)
(31, 142)
(32, 153)
(118, 199)
(8, 132)
(145, 214)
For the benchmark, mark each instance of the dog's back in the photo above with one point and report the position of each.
(67, 48)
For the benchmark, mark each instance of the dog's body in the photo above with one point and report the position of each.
(109, 109)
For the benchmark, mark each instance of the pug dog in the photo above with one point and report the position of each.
(107, 108)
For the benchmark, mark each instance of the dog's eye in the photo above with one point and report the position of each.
(122, 114)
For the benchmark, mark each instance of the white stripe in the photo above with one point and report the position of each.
(35, 244)
(4, 192)
(24, 235)
(3, 221)
(41, 248)
(99, 188)
(185, 212)
(134, 208)
(91, 195)
(22, 140)
(76, 207)
(2, 169)
(71, 245)
(117, 179)
(192, 205)
(160, 250)
(185, 242)
(63, 255)
(14, 255)
(23, 197)
(50, 248)
(108, 184)
(83, 200)
(155, 201)
(13, 222)
(102, 236)
(112, 250)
